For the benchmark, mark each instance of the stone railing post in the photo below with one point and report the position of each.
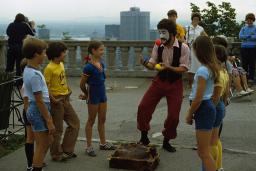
(138, 55)
(111, 57)
(131, 59)
(124, 57)
(71, 58)
(3, 54)
(118, 62)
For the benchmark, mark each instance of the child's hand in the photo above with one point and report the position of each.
(189, 118)
(50, 126)
(83, 97)
(55, 101)
(144, 60)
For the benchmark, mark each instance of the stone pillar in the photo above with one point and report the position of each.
(111, 57)
(118, 62)
(131, 59)
(124, 58)
(3, 54)
(78, 57)
(71, 58)
(138, 55)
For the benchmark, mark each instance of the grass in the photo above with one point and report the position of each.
(10, 144)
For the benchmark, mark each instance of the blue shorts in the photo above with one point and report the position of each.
(35, 118)
(220, 113)
(205, 115)
(97, 94)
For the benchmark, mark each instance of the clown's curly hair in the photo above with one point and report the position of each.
(168, 25)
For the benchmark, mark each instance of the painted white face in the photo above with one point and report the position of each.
(164, 35)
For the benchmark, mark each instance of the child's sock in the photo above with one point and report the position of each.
(219, 159)
(144, 138)
(29, 150)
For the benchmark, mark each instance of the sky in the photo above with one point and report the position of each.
(107, 11)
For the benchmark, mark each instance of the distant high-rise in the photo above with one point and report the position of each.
(112, 31)
(134, 24)
(43, 32)
(154, 34)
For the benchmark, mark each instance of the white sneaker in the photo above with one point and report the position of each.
(221, 169)
(249, 90)
(242, 92)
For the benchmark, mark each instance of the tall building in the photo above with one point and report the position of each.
(112, 31)
(134, 24)
(154, 34)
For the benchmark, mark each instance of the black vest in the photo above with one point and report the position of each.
(167, 75)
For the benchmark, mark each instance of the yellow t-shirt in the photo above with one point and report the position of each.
(180, 32)
(55, 78)
(223, 81)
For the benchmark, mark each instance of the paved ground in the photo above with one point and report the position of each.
(123, 97)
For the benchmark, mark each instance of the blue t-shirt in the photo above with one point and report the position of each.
(204, 72)
(34, 82)
(96, 76)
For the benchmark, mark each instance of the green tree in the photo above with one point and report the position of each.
(227, 20)
(194, 8)
(210, 18)
(42, 26)
(218, 20)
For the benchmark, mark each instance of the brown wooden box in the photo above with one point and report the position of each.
(134, 157)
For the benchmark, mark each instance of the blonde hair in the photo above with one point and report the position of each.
(31, 46)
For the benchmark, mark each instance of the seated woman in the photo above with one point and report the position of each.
(236, 72)
(238, 75)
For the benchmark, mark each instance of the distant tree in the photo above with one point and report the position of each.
(227, 20)
(218, 20)
(210, 18)
(42, 26)
(66, 36)
(194, 8)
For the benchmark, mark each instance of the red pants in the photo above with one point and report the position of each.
(158, 89)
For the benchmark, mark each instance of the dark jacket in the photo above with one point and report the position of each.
(17, 31)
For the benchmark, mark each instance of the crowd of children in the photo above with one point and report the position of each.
(47, 96)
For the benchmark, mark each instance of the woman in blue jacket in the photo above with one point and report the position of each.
(248, 47)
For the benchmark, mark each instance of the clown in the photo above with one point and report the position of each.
(173, 56)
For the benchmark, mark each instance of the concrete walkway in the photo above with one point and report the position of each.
(124, 95)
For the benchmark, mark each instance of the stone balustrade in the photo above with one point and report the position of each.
(122, 58)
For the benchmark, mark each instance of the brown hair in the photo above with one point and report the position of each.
(55, 49)
(196, 14)
(171, 13)
(31, 46)
(250, 16)
(205, 53)
(168, 25)
(221, 53)
(220, 41)
(94, 45)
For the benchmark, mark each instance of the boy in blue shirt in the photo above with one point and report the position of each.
(38, 114)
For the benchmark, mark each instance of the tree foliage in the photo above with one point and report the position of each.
(218, 19)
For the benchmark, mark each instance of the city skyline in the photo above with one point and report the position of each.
(105, 12)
